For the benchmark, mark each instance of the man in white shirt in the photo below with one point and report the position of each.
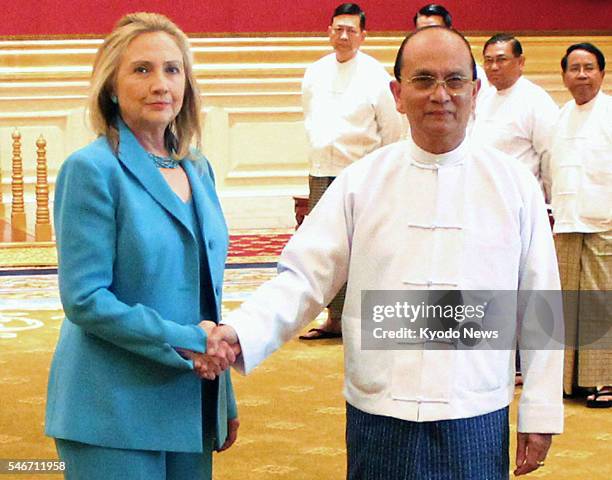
(582, 208)
(517, 116)
(348, 112)
(434, 212)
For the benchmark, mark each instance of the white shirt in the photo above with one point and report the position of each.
(403, 219)
(349, 111)
(518, 121)
(582, 167)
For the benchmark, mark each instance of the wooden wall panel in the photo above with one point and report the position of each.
(253, 132)
(74, 17)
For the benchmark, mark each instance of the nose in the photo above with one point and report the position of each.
(159, 83)
(439, 93)
(582, 73)
(344, 34)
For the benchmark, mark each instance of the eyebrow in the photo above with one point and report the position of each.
(499, 55)
(422, 71)
(148, 62)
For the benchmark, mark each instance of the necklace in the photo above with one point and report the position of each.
(163, 162)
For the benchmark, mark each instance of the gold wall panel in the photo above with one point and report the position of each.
(253, 132)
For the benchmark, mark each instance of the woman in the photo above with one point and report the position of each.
(142, 244)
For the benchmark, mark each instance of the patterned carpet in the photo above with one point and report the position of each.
(256, 248)
(291, 407)
(259, 248)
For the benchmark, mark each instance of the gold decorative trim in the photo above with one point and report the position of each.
(28, 254)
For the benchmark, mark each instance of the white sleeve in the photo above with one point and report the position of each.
(306, 102)
(545, 116)
(311, 270)
(391, 126)
(541, 403)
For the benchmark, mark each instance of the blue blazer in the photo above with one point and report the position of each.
(129, 281)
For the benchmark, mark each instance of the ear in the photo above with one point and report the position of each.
(396, 90)
(363, 35)
(475, 91)
(522, 61)
(330, 31)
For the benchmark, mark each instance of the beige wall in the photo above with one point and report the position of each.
(253, 132)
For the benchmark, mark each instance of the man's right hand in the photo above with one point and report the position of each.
(223, 343)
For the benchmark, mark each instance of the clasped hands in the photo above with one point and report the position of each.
(222, 348)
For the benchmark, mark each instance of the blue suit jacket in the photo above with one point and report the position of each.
(129, 281)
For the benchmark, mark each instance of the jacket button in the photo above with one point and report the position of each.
(211, 244)
(217, 291)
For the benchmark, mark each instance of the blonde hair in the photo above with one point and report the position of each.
(103, 111)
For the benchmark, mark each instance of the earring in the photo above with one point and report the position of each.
(114, 99)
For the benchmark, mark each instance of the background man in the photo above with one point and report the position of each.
(348, 112)
(430, 213)
(432, 14)
(517, 116)
(582, 207)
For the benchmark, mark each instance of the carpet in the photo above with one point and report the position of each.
(291, 407)
(261, 248)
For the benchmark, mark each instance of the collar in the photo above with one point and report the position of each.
(436, 160)
(507, 91)
(348, 63)
(136, 159)
(590, 104)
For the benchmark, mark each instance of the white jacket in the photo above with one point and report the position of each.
(582, 167)
(403, 218)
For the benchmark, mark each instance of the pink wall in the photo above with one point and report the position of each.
(66, 17)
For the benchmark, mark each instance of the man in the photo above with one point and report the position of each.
(434, 14)
(516, 116)
(582, 207)
(430, 213)
(348, 112)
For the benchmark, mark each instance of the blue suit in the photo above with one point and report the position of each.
(129, 280)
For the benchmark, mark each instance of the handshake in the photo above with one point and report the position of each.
(222, 348)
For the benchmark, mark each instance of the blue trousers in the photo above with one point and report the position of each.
(91, 462)
(386, 448)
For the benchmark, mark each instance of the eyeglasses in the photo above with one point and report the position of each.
(348, 30)
(455, 85)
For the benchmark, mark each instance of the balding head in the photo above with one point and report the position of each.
(435, 87)
(399, 59)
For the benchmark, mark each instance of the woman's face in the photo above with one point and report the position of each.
(150, 83)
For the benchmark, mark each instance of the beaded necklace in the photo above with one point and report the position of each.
(163, 162)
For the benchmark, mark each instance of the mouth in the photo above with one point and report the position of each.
(159, 104)
(439, 113)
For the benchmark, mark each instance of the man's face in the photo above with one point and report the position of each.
(583, 78)
(346, 36)
(437, 118)
(428, 21)
(503, 69)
